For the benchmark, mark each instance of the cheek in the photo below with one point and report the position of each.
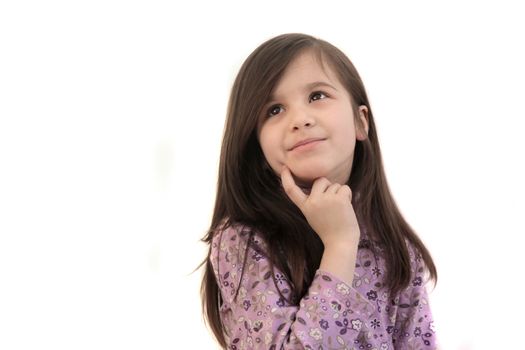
(272, 154)
(269, 143)
(346, 139)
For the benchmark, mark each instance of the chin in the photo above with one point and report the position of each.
(306, 178)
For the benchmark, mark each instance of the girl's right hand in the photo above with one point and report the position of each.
(328, 209)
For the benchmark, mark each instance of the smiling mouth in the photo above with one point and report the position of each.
(307, 145)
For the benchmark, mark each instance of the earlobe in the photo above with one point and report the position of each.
(362, 129)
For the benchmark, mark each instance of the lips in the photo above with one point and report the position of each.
(305, 141)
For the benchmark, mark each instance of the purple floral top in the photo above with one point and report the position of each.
(332, 315)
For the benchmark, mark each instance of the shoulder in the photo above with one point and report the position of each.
(231, 236)
(228, 242)
(233, 241)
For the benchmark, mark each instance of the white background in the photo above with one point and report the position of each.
(111, 116)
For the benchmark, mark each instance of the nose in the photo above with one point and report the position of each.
(301, 119)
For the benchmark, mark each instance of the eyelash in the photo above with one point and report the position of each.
(268, 113)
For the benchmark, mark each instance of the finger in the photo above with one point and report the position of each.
(333, 188)
(320, 185)
(293, 191)
(345, 190)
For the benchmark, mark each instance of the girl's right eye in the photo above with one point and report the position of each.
(273, 109)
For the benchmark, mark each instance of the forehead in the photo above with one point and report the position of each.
(305, 71)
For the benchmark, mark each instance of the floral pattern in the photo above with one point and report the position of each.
(332, 315)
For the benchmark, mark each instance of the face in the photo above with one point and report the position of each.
(309, 124)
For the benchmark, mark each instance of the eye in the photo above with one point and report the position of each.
(272, 109)
(315, 96)
(317, 93)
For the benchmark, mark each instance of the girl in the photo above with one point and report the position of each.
(308, 249)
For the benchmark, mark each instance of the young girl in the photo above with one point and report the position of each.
(308, 249)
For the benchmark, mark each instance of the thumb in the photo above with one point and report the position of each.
(293, 191)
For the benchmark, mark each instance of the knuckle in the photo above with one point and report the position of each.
(346, 192)
(316, 205)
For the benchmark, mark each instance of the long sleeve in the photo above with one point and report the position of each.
(414, 326)
(332, 315)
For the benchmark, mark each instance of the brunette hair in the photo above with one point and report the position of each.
(250, 193)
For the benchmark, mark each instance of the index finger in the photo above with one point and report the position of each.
(292, 190)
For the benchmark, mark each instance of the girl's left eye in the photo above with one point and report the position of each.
(317, 93)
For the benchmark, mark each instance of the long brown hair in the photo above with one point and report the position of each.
(250, 193)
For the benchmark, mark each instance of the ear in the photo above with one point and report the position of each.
(362, 127)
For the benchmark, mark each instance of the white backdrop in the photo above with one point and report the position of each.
(111, 117)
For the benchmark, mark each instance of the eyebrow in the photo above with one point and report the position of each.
(307, 87)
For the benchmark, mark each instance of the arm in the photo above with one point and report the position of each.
(414, 327)
(332, 314)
